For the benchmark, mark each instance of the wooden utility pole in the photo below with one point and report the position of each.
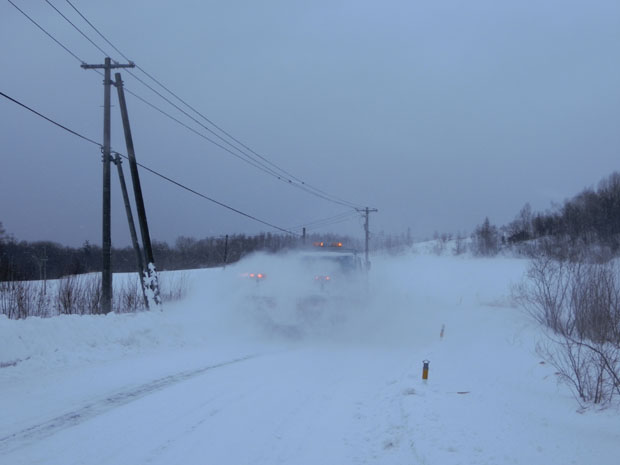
(151, 274)
(132, 228)
(367, 212)
(106, 246)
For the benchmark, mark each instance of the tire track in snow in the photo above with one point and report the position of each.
(14, 441)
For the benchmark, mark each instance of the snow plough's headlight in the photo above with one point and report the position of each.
(327, 244)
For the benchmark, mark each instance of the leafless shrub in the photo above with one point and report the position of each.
(579, 303)
(128, 297)
(441, 242)
(92, 303)
(173, 287)
(80, 295)
(582, 368)
(20, 299)
(67, 296)
(546, 290)
(9, 299)
(485, 240)
(460, 245)
(42, 301)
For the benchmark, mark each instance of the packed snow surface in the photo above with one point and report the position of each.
(247, 372)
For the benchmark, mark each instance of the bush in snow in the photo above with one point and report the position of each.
(485, 240)
(79, 295)
(19, 299)
(460, 245)
(579, 304)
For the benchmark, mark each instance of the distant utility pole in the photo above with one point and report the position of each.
(367, 211)
(106, 246)
(44, 261)
(226, 251)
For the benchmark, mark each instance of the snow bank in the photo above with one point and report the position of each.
(403, 301)
(344, 387)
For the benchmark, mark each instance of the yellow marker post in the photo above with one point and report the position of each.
(425, 369)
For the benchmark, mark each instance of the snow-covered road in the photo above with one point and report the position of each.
(306, 405)
(198, 385)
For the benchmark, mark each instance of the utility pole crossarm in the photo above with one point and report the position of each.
(131, 64)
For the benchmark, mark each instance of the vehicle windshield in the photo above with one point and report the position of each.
(344, 263)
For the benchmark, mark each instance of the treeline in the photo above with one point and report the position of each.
(591, 217)
(22, 260)
(588, 222)
(572, 287)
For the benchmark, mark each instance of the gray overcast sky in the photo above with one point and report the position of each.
(436, 113)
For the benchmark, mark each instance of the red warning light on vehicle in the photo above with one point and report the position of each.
(253, 275)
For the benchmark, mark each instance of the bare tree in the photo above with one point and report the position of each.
(579, 304)
(460, 245)
(486, 240)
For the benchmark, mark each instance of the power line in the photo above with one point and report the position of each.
(97, 31)
(254, 163)
(213, 200)
(306, 187)
(168, 115)
(245, 158)
(176, 183)
(133, 93)
(77, 28)
(257, 164)
(45, 32)
(329, 223)
(343, 216)
(285, 177)
(251, 162)
(143, 166)
(50, 120)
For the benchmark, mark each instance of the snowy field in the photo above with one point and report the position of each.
(211, 380)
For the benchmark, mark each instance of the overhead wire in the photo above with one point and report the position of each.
(330, 223)
(141, 165)
(326, 221)
(145, 167)
(49, 119)
(299, 183)
(221, 204)
(316, 224)
(44, 31)
(76, 28)
(129, 91)
(198, 133)
(249, 161)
